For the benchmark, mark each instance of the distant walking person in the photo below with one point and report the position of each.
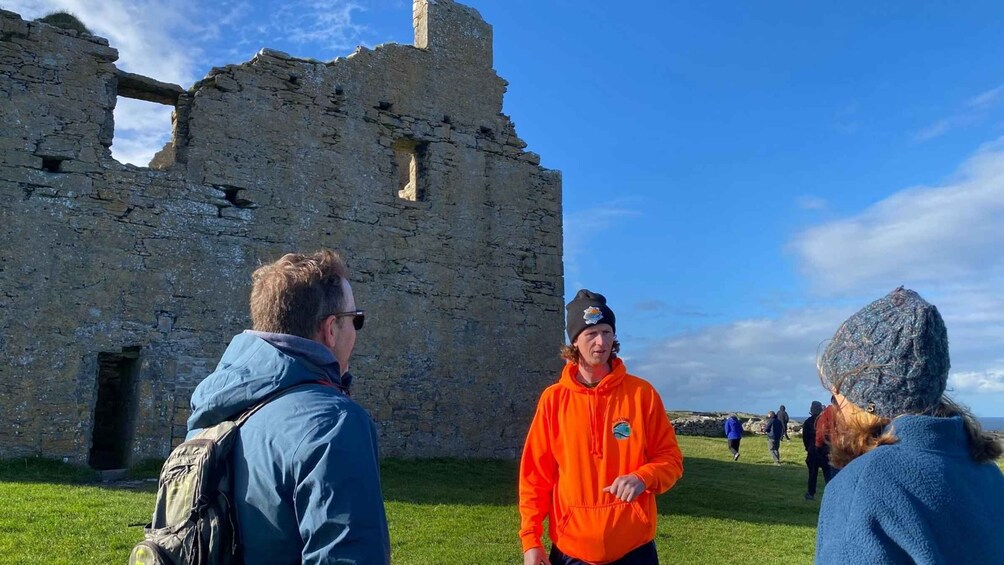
(824, 431)
(782, 415)
(734, 434)
(814, 460)
(919, 483)
(773, 430)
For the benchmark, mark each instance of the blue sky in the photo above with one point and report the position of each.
(739, 177)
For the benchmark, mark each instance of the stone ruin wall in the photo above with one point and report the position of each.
(104, 263)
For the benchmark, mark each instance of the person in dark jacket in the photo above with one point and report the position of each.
(306, 469)
(815, 459)
(919, 483)
(773, 430)
(782, 416)
(734, 435)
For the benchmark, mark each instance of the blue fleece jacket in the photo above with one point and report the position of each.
(306, 467)
(921, 500)
(733, 429)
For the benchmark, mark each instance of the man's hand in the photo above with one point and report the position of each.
(626, 487)
(535, 556)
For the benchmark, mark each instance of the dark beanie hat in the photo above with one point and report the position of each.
(815, 408)
(588, 309)
(891, 357)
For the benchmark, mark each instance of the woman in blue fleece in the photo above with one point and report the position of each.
(919, 483)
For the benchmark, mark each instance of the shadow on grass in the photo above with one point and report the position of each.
(39, 470)
(49, 471)
(759, 493)
(450, 481)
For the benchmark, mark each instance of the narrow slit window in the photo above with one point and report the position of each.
(408, 164)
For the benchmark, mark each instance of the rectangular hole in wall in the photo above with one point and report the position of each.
(144, 121)
(52, 164)
(142, 134)
(409, 168)
(115, 409)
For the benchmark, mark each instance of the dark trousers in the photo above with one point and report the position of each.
(773, 445)
(734, 445)
(815, 463)
(824, 463)
(644, 555)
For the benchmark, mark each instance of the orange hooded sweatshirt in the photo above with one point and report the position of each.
(581, 439)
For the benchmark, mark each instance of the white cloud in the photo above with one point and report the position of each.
(756, 364)
(987, 99)
(943, 241)
(748, 365)
(974, 111)
(937, 129)
(990, 381)
(948, 233)
(323, 22)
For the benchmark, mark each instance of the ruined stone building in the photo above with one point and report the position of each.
(120, 286)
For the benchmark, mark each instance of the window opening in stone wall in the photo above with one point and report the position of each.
(52, 164)
(409, 157)
(115, 409)
(144, 116)
(142, 135)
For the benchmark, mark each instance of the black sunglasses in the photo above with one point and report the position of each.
(358, 317)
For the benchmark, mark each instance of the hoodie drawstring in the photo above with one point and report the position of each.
(595, 434)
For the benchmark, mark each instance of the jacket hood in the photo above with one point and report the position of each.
(609, 382)
(250, 370)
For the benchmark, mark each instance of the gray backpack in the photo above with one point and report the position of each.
(193, 521)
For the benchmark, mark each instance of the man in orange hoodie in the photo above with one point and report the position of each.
(599, 450)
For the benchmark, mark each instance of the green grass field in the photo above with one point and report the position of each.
(446, 511)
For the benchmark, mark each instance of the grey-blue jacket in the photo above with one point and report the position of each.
(921, 500)
(306, 466)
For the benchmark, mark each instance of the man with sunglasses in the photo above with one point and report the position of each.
(306, 477)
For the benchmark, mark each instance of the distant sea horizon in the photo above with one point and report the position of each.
(992, 424)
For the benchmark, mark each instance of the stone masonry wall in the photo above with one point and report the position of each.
(462, 286)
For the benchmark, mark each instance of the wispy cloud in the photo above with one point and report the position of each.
(987, 99)
(938, 234)
(751, 364)
(808, 202)
(581, 227)
(973, 112)
(177, 42)
(323, 22)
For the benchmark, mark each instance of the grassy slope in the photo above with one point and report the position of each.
(448, 511)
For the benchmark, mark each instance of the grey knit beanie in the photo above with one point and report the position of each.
(891, 357)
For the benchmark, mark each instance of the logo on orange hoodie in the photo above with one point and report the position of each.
(622, 428)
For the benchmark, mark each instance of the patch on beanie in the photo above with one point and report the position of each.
(592, 315)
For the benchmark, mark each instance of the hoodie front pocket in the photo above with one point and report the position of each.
(604, 533)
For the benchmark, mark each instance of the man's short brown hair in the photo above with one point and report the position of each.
(296, 293)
